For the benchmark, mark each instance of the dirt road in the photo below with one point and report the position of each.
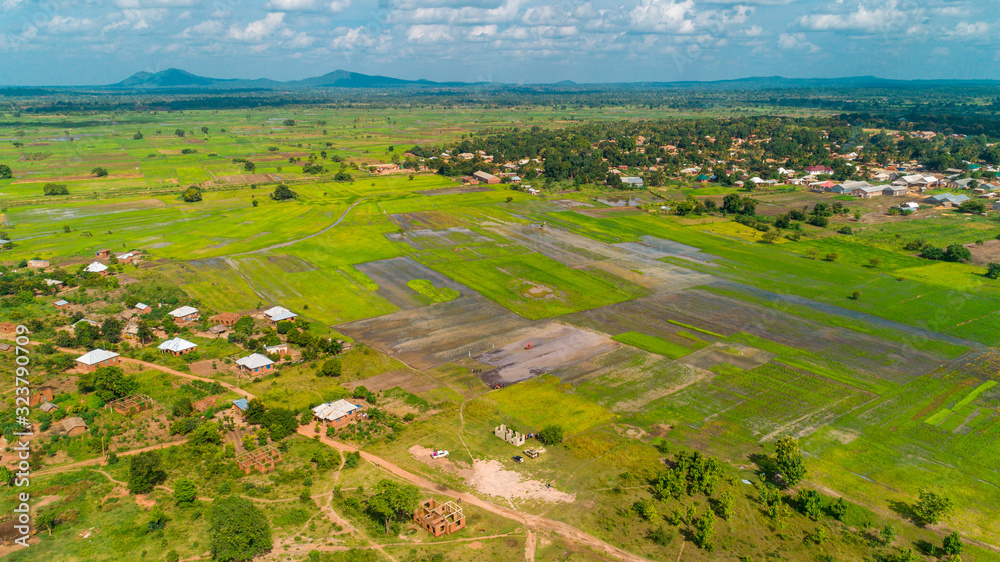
(149, 365)
(532, 522)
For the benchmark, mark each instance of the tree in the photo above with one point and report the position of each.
(551, 434)
(952, 544)
(874, 263)
(144, 472)
(331, 368)
(832, 256)
(55, 189)
(839, 509)
(855, 295)
(192, 195)
(809, 503)
(249, 166)
(204, 130)
(5, 172)
(137, 135)
(254, 203)
(111, 382)
(704, 531)
(972, 206)
(725, 507)
(391, 500)
(256, 410)
(99, 172)
(932, 507)
(182, 407)
(238, 530)
(788, 460)
(282, 192)
(993, 270)
(179, 132)
(185, 492)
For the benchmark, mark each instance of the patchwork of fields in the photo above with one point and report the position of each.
(688, 329)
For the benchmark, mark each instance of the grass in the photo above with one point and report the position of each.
(653, 344)
(535, 286)
(432, 293)
(562, 406)
(695, 328)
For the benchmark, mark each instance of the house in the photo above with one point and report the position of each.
(184, 314)
(947, 200)
(337, 414)
(96, 358)
(279, 314)
(38, 264)
(632, 180)
(104, 253)
(53, 282)
(177, 347)
(143, 308)
(486, 177)
(71, 427)
(218, 330)
(818, 170)
(262, 460)
(48, 407)
(703, 178)
(227, 319)
(60, 304)
(439, 519)
(127, 258)
(894, 191)
(6, 347)
(239, 408)
(847, 187)
(959, 184)
(280, 349)
(203, 404)
(40, 395)
(131, 331)
(909, 206)
(254, 363)
(510, 166)
(97, 267)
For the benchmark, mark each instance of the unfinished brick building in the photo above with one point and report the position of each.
(440, 519)
(131, 404)
(261, 460)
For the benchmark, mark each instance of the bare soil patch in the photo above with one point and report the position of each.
(552, 346)
(454, 190)
(392, 275)
(410, 381)
(989, 252)
(490, 477)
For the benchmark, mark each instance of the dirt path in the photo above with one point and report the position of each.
(528, 520)
(297, 240)
(148, 365)
(100, 460)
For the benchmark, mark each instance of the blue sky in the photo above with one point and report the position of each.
(515, 41)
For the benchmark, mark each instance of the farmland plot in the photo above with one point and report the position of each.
(392, 276)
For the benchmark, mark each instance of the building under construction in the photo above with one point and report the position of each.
(131, 404)
(261, 460)
(440, 519)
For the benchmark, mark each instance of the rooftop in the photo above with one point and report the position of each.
(96, 356)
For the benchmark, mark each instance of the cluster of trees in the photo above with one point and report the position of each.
(55, 189)
(953, 253)
(282, 192)
(279, 422)
(192, 194)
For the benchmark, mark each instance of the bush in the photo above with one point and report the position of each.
(238, 530)
(192, 194)
(551, 434)
(55, 189)
(845, 230)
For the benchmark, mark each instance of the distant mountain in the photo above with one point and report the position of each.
(177, 79)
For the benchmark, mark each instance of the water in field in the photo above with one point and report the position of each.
(620, 201)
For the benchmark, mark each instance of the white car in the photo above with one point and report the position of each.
(439, 454)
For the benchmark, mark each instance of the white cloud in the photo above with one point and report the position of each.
(138, 20)
(458, 15)
(867, 16)
(966, 29)
(153, 3)
(63, 24)
(423, 33)
(207, 28)
(663, 15)
(7, 5)
(339, 5)
(796, 42)
(291, 5)
(258, 30)
(482, 32)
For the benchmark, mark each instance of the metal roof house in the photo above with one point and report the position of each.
(184, 314)
(177, 346)
(254, 363)
(279, 314)
(337, 414)
(97, 267)
(97, 358)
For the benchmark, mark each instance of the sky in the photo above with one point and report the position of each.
(90, 42)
